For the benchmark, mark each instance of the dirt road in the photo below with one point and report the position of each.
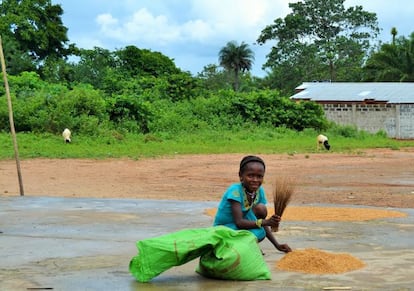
(377, 177)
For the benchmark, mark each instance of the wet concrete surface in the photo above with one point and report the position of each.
(86, 244)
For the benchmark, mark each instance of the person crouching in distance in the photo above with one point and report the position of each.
(66, 135)
(322, 140)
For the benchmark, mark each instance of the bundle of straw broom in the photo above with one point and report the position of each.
(282, 193)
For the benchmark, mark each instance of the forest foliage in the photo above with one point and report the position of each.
(54, 84)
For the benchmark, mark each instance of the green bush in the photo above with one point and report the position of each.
(149, 104)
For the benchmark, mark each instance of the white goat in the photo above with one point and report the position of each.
(322, 140)
(66, 135)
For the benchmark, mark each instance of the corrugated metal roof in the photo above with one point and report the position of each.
(333, 91)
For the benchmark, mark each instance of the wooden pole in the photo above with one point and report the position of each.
(13, 132)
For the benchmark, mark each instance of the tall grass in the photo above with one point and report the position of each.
(255, 140)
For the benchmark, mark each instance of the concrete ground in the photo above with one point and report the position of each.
(86, 244)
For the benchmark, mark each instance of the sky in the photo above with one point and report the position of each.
(192, 32)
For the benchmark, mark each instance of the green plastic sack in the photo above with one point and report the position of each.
(236, 257)
(225, 254)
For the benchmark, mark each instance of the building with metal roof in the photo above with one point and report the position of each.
(368, 106)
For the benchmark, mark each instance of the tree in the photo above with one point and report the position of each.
(320, 39)
(236, 59)
(134, 62)
(213, 78)
(56, 70)
(17, 61)
(93, 66)
(393, 62)
(33, 29)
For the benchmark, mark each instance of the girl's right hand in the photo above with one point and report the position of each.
(273, 221)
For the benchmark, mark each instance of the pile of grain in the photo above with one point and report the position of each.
(314, 261)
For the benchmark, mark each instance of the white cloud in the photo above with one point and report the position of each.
(106, 20)
(206, 21)
(246, 13)
(140, 26)
(240, 18)
(197, 30)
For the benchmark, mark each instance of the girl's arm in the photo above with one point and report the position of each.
(238, 217)
(281, 247)
(243, 223)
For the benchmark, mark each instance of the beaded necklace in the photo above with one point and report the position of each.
(251, 194)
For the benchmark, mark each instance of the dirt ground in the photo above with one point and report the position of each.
(375, 177)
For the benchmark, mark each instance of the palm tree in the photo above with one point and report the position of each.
(394, 33)
(393, 62)
(236, 59)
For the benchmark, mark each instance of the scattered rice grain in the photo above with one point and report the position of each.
(315, 213)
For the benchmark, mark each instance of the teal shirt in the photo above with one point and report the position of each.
(236, 192)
